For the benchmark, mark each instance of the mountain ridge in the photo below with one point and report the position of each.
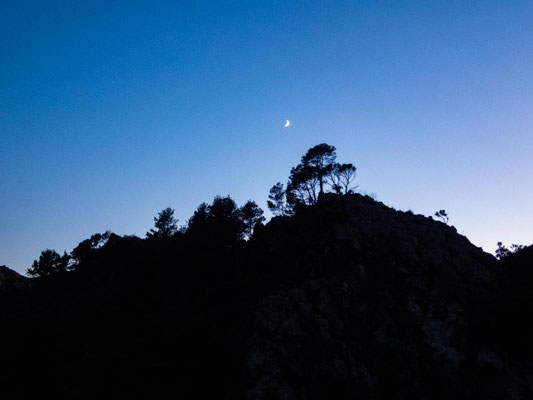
(347, 297)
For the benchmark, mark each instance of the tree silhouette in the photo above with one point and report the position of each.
(199, 217)
(165, 225)
(442, 215)
(319, 162)
(85, 249)
(222, 208)
(309, 178)
(502, 251)
(219, 223)
(49, 263)
(277, 201)
(251, 215)
(341, 177)
(303, 186)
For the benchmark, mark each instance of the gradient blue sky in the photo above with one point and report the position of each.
(111, 111)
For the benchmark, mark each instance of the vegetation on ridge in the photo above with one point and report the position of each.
(223, 222)
(347, 297)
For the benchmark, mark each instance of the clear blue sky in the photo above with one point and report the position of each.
(111, 111)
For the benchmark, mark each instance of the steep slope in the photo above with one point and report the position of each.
(377, 303)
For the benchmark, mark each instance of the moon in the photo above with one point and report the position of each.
(287, 123)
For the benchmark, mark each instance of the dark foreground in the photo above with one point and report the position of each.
(347, 299)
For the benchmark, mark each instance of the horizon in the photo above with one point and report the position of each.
(110, 113)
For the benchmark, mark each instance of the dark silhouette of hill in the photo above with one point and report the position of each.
(347, 298)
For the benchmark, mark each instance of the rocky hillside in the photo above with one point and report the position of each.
(386, 305)
(346, 299)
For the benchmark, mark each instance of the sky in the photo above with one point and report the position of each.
(111, 111)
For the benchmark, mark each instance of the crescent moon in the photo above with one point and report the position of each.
(287, 123)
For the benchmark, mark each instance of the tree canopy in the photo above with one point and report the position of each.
(85, 249)
(277, 201)
(502, 251)
(223, 223)
(165, 225)
(316, 173)
(218, 223)
(49, 263)
(251, 215)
